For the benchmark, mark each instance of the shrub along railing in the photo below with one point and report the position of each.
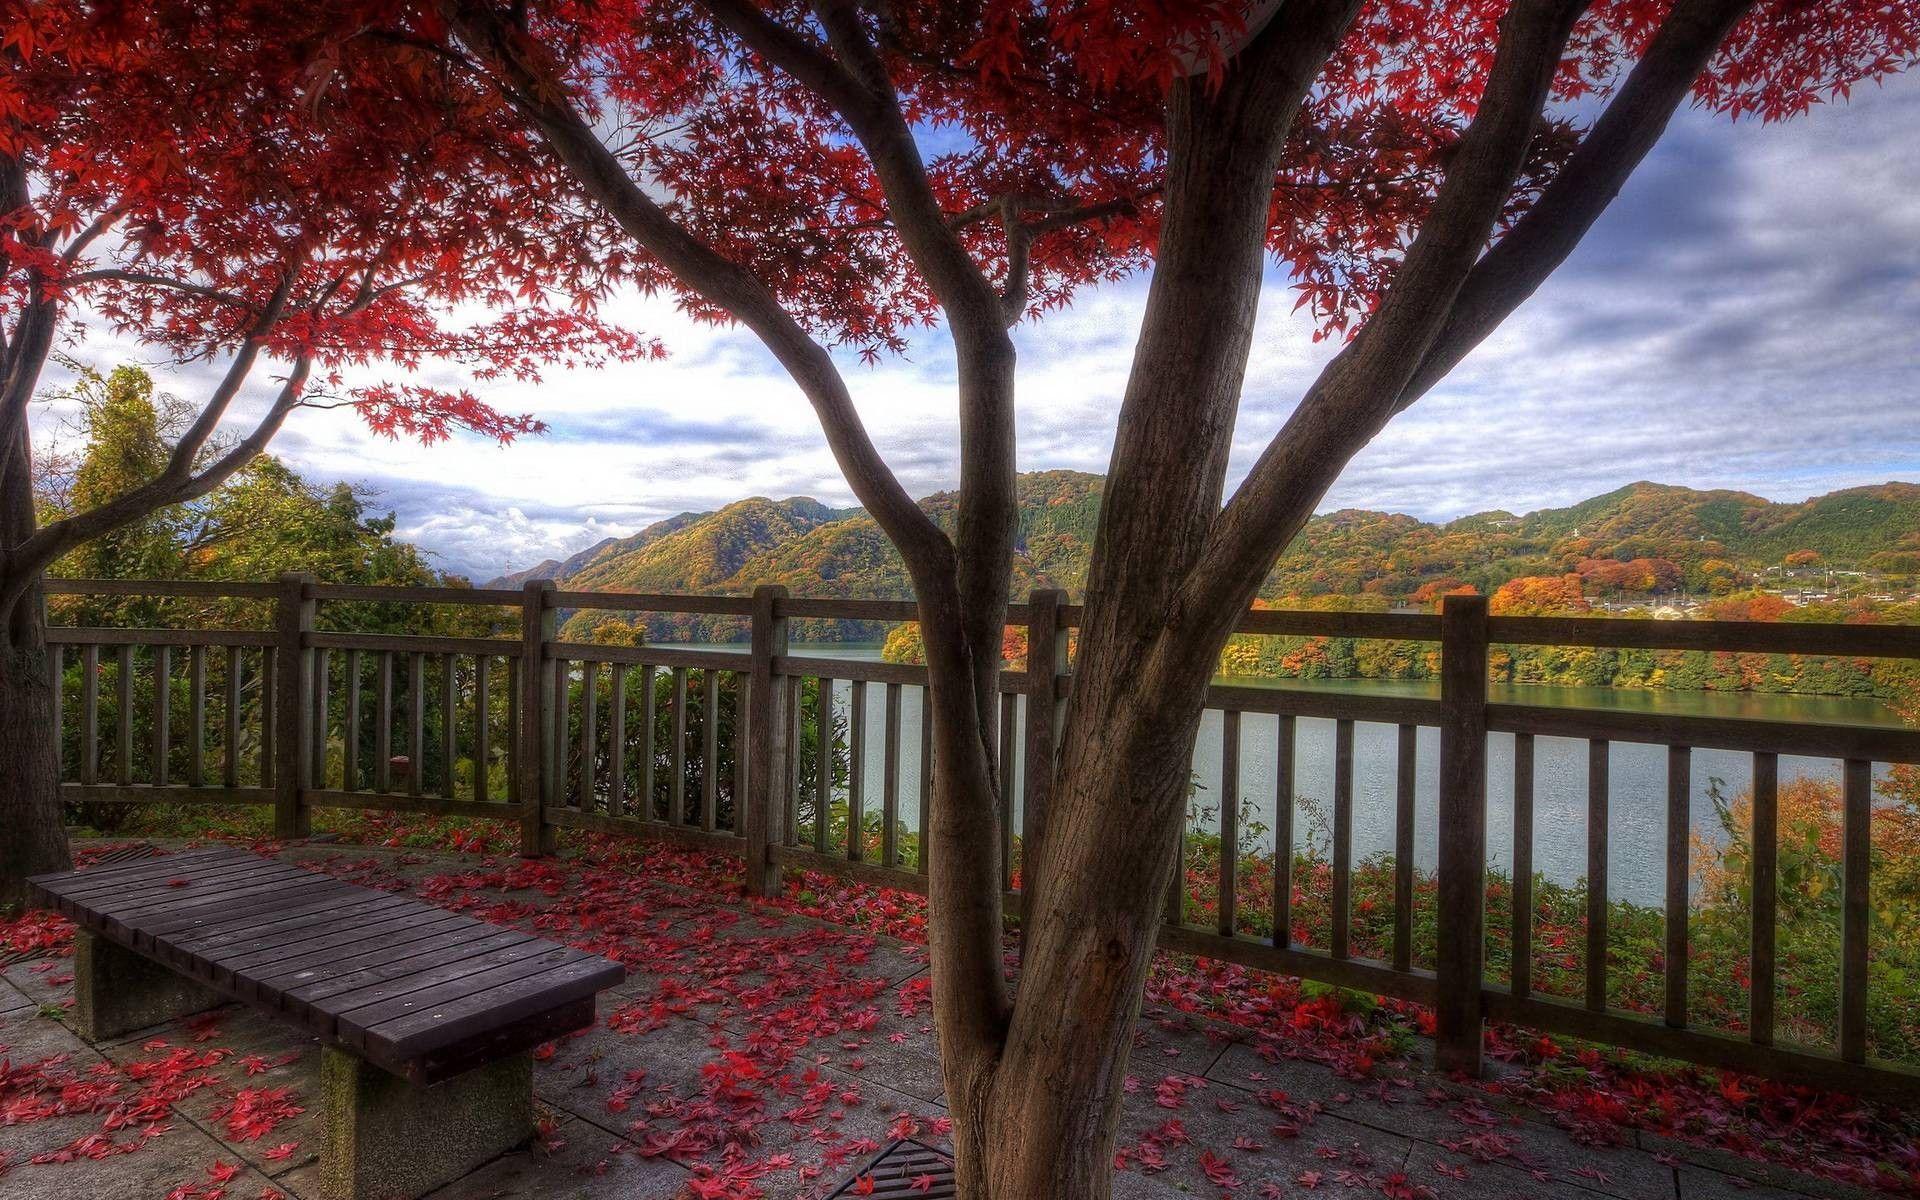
(740, 751)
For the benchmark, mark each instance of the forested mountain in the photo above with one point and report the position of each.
(1634, 545)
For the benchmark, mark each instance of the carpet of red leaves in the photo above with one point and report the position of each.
(699, 947)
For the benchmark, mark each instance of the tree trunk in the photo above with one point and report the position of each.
(33, 835)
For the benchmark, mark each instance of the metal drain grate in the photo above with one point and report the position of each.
(131, 852)
(906, 1170)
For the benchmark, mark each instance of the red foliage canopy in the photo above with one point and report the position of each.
(1042, 127)
(185, 173)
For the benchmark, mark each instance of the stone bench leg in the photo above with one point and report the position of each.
(387, 1139)
(116, 991)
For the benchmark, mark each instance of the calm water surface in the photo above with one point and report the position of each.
(1637, 788)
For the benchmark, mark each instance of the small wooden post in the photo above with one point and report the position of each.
(1046, 664)
(292, 734)
(766, 742)
(1463, 832)
(534, 732)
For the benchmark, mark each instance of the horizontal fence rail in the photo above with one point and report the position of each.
(794, 761)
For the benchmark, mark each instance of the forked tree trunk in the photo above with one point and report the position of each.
(33, 835)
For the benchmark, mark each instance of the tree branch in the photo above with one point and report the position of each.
(143, 279)
(171, 486)
(1354, 395)
(1600, 166)
(926, 550)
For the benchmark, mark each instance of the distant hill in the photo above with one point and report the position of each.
(1701, 541)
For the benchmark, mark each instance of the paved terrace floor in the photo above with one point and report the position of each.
(758, 1054)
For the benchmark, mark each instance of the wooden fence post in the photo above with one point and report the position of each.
(293, 739)
(1046, 664)
(766, 745)
(1461, 940)
(535, 732)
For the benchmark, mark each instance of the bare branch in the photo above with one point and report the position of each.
(143, 279)
(171, 486)
(1542, 239)
(719, 280)
(1354, 396)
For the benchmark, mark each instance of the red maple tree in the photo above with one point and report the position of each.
(171, 172)
(832, 174)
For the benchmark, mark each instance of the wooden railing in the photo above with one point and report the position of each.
(739, 751)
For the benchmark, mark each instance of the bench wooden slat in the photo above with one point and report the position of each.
(140, 892)
(445, 980)
(289, 923)
(426, 1032)
(354, 1020)
(140, 868)
(393, 928)
(154, 893)
(313, 986)
(191, 913)
(418, 990)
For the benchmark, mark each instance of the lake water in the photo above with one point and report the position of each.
(1637, 793)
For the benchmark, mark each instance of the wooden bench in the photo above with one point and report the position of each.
(427, 1018)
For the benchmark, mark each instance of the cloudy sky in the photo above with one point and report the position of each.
(1747, 315)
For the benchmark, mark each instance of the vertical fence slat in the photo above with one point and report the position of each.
(90, 713)
(292, 686)
(383, 723)
(236, 671)
(768, 730)
(482, 727)
(416, 721)
(270, 673)
(1522, 865)
(1766, 897)
(926, 776)
(890, 781)
(589, 706)
(617, 741)
(1005, 752)
(1403, 811)
(1855, 896)
(1460, 941)
(1229, 822)
(1679, 835)
(1340, 940)
(322, 663)
(123, 716)
(710, 750)
(742, 731)
(197, 715)
(790, 787)
(162, 713)
(1599, 760)
(856, 770)
(1283, 832)
(449, 722)
(649, 744)
(57, 665)
(823, 766)
(532, 732)
(677, 783)
(561, 745)
(350, 731)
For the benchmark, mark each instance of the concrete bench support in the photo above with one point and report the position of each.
(117, 991)
(387, 1139)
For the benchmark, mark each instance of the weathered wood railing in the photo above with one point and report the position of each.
(738, 751)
